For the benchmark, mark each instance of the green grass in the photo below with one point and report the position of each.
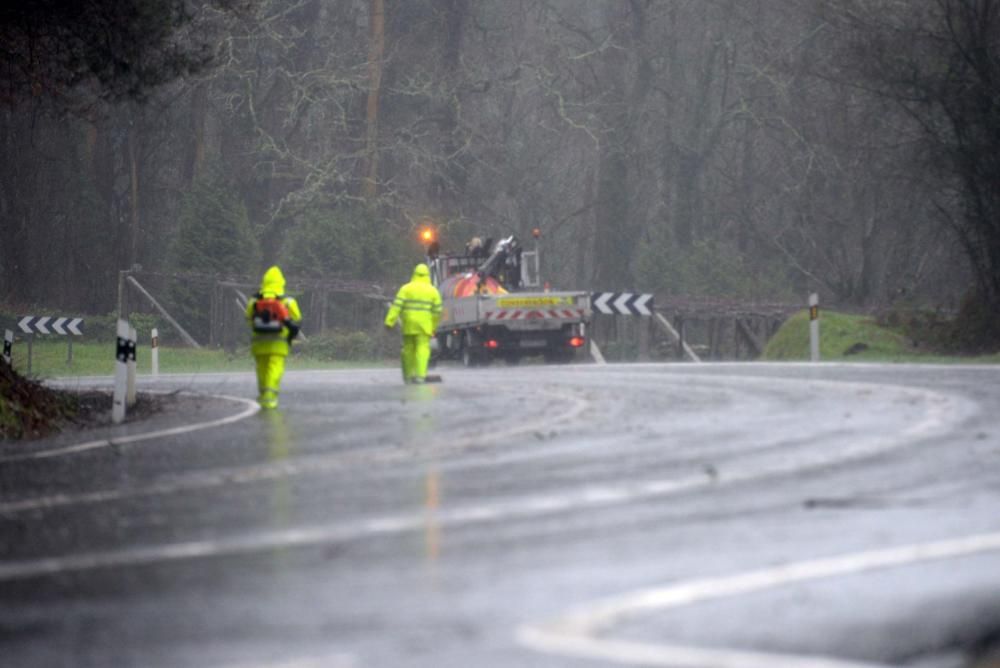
(838, 332)
(97, 359)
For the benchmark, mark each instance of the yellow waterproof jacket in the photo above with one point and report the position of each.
(277, 343)
(417, 304)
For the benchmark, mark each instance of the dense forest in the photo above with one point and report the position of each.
(748, 149)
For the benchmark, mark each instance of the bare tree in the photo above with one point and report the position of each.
(939, 62)
(735, 147)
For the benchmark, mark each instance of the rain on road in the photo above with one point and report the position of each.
(662, 515)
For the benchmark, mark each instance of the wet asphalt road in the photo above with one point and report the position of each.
(659, 515)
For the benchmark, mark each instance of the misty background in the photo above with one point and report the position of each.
(739, 149)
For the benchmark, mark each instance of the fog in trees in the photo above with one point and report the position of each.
(738, 149)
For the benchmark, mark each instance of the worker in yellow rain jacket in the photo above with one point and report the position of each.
(418, 305)
(275, 320)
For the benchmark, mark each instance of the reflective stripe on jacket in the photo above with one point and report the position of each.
(417, 305)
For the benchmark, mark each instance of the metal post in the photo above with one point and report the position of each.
(121, 294)
(682, 337)
(713, 334)
(31, 341)
(130, 369)
(324, 302)
(187, 337)
(814, 327)
(8, 347)
(213, 320)
(69, 350)
(674, 334)
(595, 352)
(155, 350)
(643, 331)
(121, 374)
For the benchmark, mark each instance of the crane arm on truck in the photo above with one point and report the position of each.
(503, 264)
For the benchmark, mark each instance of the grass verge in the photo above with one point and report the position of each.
(845, 337)
(50, 359)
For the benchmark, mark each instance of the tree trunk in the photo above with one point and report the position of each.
(615, 240)
(454, 173)
(376, 51)
(133, 161)
(196, 146)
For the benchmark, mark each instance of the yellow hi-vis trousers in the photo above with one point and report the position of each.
(270, 369)
(415, 355)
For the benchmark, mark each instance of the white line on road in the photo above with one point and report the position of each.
(577, 633)
(940, 412)
(337, 660)
(312, 465)
(251, 408)
(676, 656)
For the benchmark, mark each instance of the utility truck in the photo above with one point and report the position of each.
(494, 307)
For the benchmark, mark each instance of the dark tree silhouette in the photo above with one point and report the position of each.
(72, 53)
(940, 62)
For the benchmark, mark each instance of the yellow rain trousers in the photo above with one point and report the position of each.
(418, 307)
(271, 349)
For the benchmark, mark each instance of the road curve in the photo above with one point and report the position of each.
(742, 515)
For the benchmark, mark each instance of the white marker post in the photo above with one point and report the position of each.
(121, 374)
(814, 327)
(130, 376)
(155, 349)
(8, 347)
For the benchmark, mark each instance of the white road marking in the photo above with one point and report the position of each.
(577, 633)
(675, 656)
(940, 411)
(251, 408)
(271, 470)
(586, 497)
(337, 660)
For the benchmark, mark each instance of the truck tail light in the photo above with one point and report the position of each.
(576, 341)
(492, 344)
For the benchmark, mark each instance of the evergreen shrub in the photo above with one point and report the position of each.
(214, 238)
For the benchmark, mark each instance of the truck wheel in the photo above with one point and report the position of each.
(513, 359)
(470, 356)
(468, 359)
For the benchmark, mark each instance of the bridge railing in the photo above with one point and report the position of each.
(685, 328)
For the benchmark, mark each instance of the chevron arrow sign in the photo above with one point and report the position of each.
(29, 324)
(622, 303)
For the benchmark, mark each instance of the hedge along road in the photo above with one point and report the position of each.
(520, 516)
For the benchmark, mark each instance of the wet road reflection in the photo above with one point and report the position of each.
(391, 525)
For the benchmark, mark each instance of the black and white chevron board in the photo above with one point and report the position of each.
(622, 303)
(29, 324)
